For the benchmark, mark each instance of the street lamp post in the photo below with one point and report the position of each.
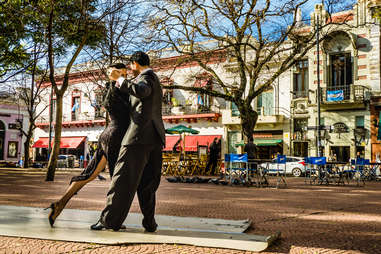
(318, 90)
(50, 123)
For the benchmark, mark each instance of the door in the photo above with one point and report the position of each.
(232, 140)
(342, 153)
(301, 149)
(2, 137)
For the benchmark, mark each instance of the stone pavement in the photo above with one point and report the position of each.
(312, 219)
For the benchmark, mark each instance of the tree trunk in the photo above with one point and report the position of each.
(249, 118)
(26, 149)
(28, 136)
(57, 139)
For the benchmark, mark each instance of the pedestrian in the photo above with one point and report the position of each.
(177, 146)
(138, 167)
(213, 157)
(249, 148)
(81, 161)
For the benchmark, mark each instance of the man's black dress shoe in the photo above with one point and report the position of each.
(97, 226)
(100, 226)
(149, 226)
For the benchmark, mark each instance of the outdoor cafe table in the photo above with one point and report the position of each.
(181, 164)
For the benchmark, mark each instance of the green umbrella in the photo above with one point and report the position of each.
(179, 129)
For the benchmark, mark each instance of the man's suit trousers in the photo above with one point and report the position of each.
(138, 169)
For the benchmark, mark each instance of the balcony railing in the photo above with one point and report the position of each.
(68, 118)
(168, 110)
(299, 94)
(344, 94)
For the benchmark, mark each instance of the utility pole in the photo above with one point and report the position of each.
(318, 89)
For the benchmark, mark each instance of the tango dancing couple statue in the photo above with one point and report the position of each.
(131, 145)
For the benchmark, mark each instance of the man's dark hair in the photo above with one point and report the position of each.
(117, 66)
(251, 139)
(140, 57)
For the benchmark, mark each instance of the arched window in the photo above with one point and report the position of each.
(341, 51)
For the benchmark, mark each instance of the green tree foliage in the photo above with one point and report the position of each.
(13, 53)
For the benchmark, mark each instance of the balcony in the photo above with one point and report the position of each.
(190, 113)
(270, 119)
(168, 110)
(344, 95)
(82, 120)
(299, 94)
(230, 117)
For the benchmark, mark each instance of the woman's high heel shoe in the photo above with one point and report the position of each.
(54, 207)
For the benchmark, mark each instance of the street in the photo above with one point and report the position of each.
(311, 218)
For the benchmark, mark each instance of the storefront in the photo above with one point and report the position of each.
(268, 143)
(69, 145)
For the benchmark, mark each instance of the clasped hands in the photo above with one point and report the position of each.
(114, 74)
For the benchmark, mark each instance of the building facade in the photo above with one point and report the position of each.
(348, 94)
(12, 117)
(349, 74)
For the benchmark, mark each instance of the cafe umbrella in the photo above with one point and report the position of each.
(180, 129)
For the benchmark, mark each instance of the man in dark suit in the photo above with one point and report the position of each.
(138, 168)
(213, 156)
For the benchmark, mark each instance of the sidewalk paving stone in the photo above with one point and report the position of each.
(312, 219)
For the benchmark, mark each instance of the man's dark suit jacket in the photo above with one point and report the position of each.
(145, 95)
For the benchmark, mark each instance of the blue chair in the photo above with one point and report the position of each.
(358, 171)
(236, 166)
(316, 172)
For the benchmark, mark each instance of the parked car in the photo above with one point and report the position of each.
(294, 166)
(66, 161)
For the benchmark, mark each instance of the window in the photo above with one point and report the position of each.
(204, 101)
(168, 102)
(300, 89)
(265, 104)
(300, 129)
(167, 97)
(322, 121)
(75, 105)
(300, 124)
(235, 111)
(359, 121)
(98, 112)
(341, 74)
(53, 107)
(12, 149)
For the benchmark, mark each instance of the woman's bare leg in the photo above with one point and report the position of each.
(75, 187)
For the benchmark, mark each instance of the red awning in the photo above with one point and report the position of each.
(66, 142)
(41, 143)
(192, 141)
(170, 141)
